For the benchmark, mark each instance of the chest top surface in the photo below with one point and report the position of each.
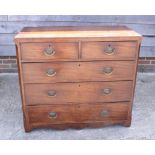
(77, 32)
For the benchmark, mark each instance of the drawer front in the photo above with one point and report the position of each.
(78, 71)
(59, 93)
(55, 114)
(109, 50)
(49, 51)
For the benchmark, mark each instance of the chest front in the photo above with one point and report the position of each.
(77, 76)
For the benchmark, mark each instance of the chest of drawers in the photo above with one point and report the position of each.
(77, 76)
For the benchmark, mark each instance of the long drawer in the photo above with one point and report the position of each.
(108, 50)
(49, 51)
(59, 93)
(55, 114)
(78, 71)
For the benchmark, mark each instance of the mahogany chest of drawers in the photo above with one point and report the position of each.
(77, 76)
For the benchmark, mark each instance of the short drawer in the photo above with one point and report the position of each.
(49, 51)
(80, 113)
(78, 71)
(109, 50)
(59, 93)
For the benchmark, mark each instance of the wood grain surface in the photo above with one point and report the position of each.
(77, 92)
(78, 71)
(96, 50)
(85, 113)
(36, 51)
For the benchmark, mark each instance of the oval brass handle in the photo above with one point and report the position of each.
(105, 113)
(109, 50)
(51, 93)
(52, 115)
(49, 51)
(50, 72)
(107, 91)
(107, 70)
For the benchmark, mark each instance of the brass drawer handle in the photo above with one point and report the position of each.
(49, 51)
(107, 70)
(109, 50)
(105, 113)
(107, 91)
(51, 93)
(52, 115)
(51, 72)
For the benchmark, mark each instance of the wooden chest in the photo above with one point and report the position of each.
(77, 76)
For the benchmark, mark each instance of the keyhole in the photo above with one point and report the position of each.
(79, 65)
